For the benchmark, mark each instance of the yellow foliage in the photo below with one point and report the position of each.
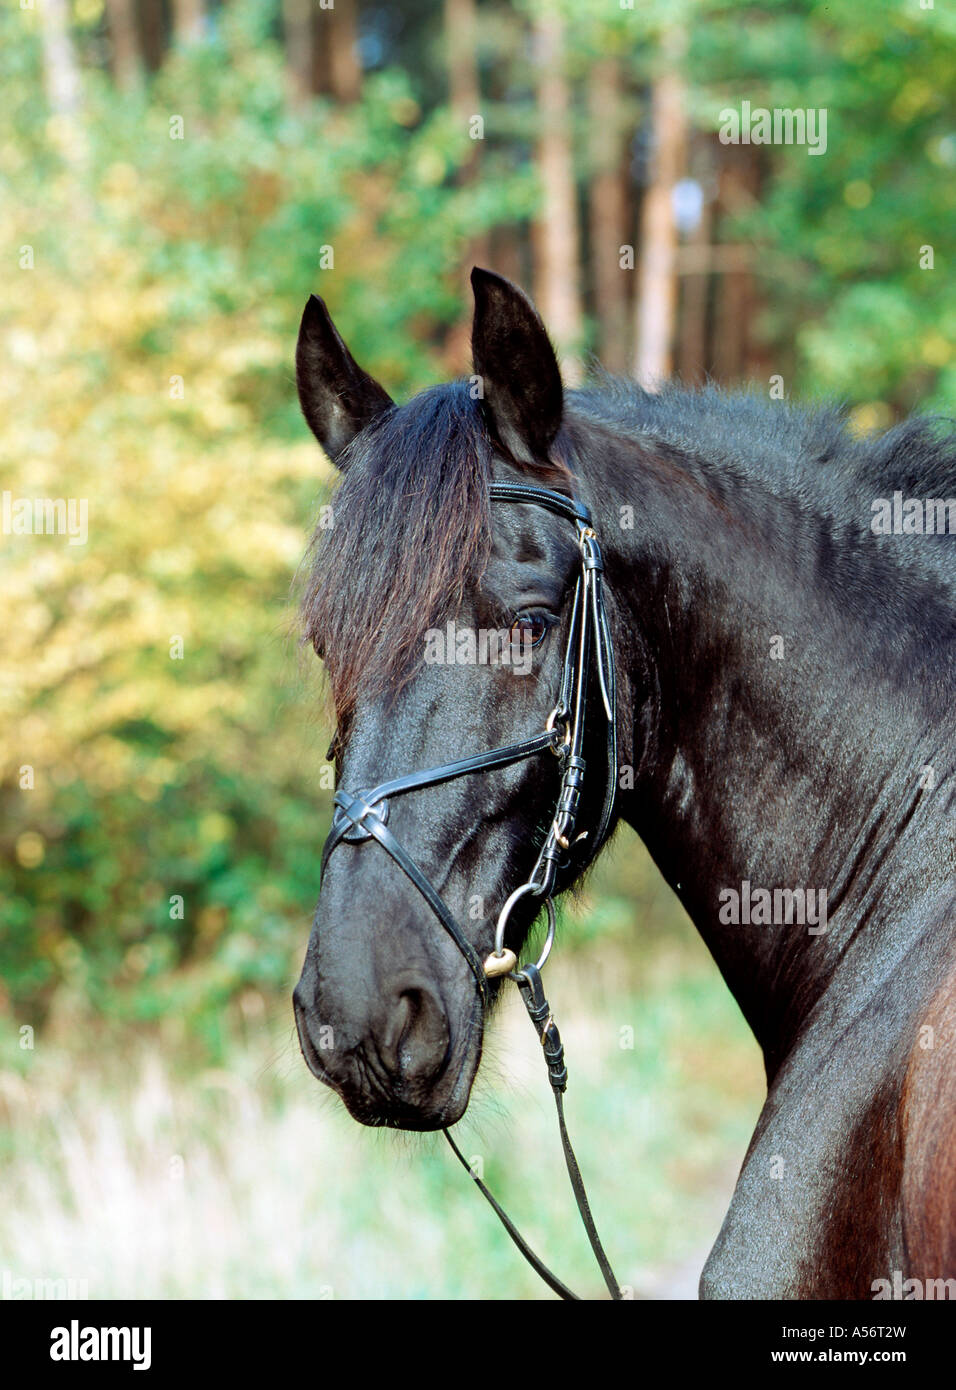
(197, 519)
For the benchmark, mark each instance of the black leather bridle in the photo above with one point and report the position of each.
(363, 815)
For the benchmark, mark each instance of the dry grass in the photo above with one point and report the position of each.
(146, 1179)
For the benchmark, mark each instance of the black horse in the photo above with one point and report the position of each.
(781, 606)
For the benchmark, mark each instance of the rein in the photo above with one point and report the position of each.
(363, 815)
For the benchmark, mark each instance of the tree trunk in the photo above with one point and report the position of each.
(657, 280)
(607, 211)
(555, 234)
(756, 359)
(734, 286)
(464, 91)
(61, 74)
(152, 33)
(695, 293)
(299, 56)
(336, 66)
(461, 43)
(187, 21)
(509, 252)
(124, 58)
(345, 69)
(61, 80)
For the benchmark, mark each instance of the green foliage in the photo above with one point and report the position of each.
(149, 371)
(840, 236)
(150, 374)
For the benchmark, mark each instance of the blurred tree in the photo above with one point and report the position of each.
(555, 231)
(738, 185)
(124, 44)
(656, 301)
(607, 209)
(162, 799)
(695, 279)
(187, 21)
(149, 330)
(336, 67)
(152, 30)
(464, 91)
(60, 70)
(297, 27)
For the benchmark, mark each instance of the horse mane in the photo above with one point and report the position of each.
(411, 530)
(789, 448)
(410, 534)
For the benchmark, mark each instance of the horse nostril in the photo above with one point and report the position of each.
(415, 1038)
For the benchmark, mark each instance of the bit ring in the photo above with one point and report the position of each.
(506, 913)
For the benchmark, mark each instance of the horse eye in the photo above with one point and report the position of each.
(530, 629)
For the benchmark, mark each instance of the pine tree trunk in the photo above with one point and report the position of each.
(733, 289)
(461, 42)
(187, 21)
(299, 57)
(464, 92)
(61, 74)
(657, 280)
(555, 234)
(61, 80)
(124, 40)
(152, 33)
(695, 293)
(507, 254)
(336, 65)
(607, 211)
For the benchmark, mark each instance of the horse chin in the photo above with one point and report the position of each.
(417, 1119)
(442, 1106)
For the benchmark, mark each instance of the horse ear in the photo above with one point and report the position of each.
(338, 399)
(513, 356)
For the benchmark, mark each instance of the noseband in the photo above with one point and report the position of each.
(363, 815)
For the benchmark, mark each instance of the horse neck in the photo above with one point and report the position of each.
(773, 745)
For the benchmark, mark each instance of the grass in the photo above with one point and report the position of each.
(147, 1177)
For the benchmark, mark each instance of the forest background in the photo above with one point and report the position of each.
(175, 179)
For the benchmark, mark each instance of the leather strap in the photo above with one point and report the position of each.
(362, 815)
(445, 772)
(568, 507)
(434, 899)
(539, 1011)
(535, 1261)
